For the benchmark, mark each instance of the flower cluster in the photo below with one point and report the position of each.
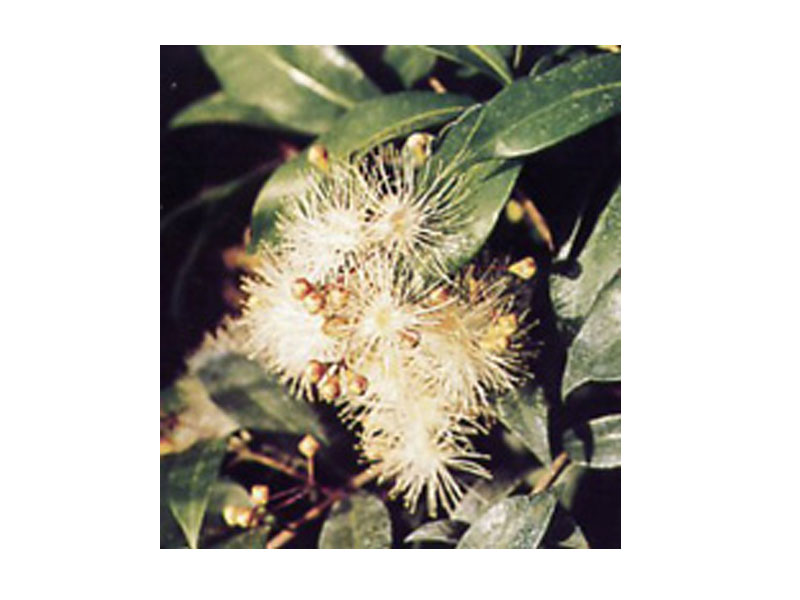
(352, 305)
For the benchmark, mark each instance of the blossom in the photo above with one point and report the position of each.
(353, 305)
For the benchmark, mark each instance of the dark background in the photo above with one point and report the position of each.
(578, 174)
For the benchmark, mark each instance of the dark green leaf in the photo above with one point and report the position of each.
(487, 59)
(218, 108)
(372, 123)
(305, 88)
(358, 521)
(253, 398)
(533, 114)
(600, 261)
(252, 539)
(443, 531)
(482, 495)
(564, 532)
(524, 412)
(411, 63)
(489, 183)
(516, 522)
(596, 444)
(171, 534)
(595, 353)
(189, 481)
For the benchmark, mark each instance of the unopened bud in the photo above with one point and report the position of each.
(259, 494)
(318, 156)
(418, 147)
(314, 302)
(314, 372)
(308, 446)
(335, 327)
(356, 384)
(301, 288)
(525, 268)
(514, 211)
(337, 298)
(330, 389)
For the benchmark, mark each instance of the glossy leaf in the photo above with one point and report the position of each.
(489, 183)
(564, 532)
(305, 88)
(253, 398)
(219, 108)
(171, 533)
(482, 495)
(596, 444)
(532, 114)
(374, 122)
(524, 412)
(486, 59)
(358, 521)
(443, 531)
(599, 260)
(595, 353)
(411, 63)
(251, 539)
(517, 522)
(189, 481)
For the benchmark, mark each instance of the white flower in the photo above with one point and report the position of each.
(353, 306)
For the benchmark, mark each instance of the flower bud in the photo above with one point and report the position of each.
(314, 302)
(336, 298)
(335, 327)
(318, 156)
(514, 211)
(418, 147)
(315, 371)
(525, 268)
(308, 446)
(356, 384)
(259, 494)
(301, 288)
(330, 389)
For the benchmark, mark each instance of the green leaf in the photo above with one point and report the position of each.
(524, 412)
(532, 114)
(597, 444)
(486, 59)
(600, 261)
(564, 532)
(252, 539)
(595, 353)
(516, 522)
(489, 183)
(254, 399)
(189, 481)
(358, 521)
(305, 88)
(482, 495)
(219, 108)
(411, 63)
(443, 531)
(171, 534)
(372, 123)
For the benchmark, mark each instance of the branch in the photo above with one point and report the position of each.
(288, 534)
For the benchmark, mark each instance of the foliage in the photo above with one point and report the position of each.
(540, 100)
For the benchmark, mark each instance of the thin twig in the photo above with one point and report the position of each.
(245, 454)
(290, 531)
(548, 477)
